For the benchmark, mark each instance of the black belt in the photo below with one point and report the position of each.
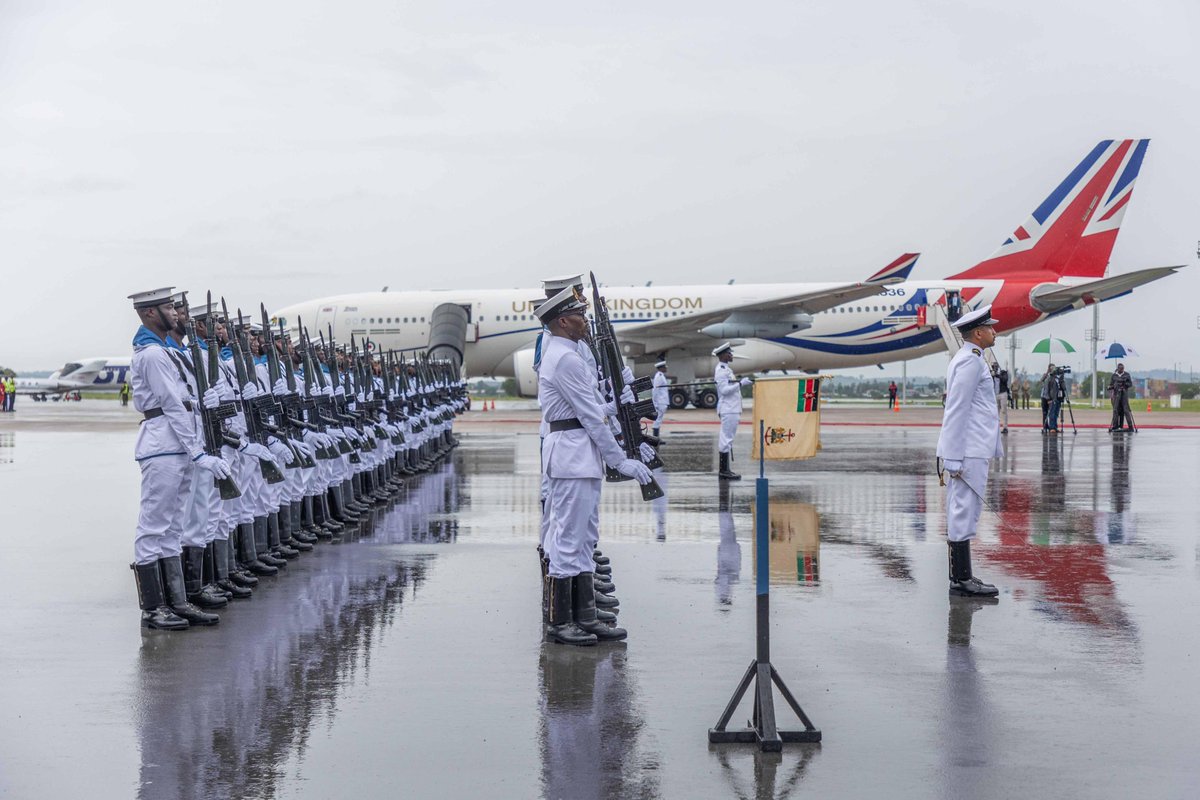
(151, 413)
(571, 424)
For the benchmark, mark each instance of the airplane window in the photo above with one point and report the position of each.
(422, 319)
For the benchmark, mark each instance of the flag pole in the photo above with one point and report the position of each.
(762, 730)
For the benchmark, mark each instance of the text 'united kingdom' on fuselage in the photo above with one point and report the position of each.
(1053, 263)
(95, 374)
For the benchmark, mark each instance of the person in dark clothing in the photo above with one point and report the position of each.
(1120, 387)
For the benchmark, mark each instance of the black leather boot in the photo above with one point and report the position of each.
(603, 569)
(322, 518)
(562, 628)
(259, 530)
(299, 532)
(583, 606)
(337, 508)
(725, 473)
(287, 536)
(962, 582)
(656, 435)
(176, 593)
(308, 518)
(210, 571)
(248, 552)
(193, 581)
(275, 538)
(600, 558)
(238, 573)
(603, 585)
(152, 599)
(545, 564)
(221, 573)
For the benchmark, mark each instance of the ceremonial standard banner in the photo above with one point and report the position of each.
(790, 411)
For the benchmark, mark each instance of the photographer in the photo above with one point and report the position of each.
(1120, 386)
(1000, 379)
(1053, 392)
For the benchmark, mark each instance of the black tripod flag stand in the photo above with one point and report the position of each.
(761, 727)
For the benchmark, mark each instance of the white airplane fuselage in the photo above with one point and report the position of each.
(501, 324)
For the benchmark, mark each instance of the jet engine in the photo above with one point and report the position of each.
(758, 325)
(527, 379)
(448, 333)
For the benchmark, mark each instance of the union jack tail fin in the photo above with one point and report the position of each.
(1074, 229)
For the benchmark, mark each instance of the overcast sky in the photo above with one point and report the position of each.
(282, 151)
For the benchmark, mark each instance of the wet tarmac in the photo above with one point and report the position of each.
(409, 663)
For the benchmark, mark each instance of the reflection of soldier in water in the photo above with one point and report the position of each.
(968, 745)
(729, 552)
(222, 720)
(591, 734)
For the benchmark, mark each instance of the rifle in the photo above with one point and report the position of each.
(211, 419)
(309, 403)
(278, 415)
(629, 417)
(242, 360)
(337, 407)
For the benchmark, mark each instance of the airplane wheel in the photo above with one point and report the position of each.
(708, 398)
(679, 399)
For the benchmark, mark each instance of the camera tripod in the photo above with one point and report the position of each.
(1070, 411)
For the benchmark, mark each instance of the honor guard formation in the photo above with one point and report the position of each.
(256, 447)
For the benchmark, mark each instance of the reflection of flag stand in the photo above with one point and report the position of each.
(762, 728)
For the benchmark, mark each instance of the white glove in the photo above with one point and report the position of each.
(952, 466)
(283, 454)
(212, 398)
(626, 375)
(362, 398)
(327, 391)
(280, 388)
(217, 466)
(636, 470)
(627, 398)
(647, 452)
(745, 381)
(250, 391)
(256, 450)
(224, 391)
(340, 391)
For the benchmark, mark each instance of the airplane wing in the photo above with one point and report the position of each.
(664, 332)
(1052, 298)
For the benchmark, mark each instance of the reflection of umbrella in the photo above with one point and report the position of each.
(1052, 345)
(1115, 350)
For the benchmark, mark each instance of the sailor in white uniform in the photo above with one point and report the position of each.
(577, 445)
(729, 408)
(970, 437)
(660, 395)
(169, 448)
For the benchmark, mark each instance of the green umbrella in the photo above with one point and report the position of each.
(1052, 345)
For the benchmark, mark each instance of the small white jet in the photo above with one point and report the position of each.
(96, 374)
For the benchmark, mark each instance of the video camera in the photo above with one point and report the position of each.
(1062, 370)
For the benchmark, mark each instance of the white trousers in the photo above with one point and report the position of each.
(1002, 407)
(573, 508)
(729, 425)
(964, 504)
(203, 512)
(166, 486)
(661, 412)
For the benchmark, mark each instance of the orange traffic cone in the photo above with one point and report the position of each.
(1148, 406)
(493, 405)
(896, 407)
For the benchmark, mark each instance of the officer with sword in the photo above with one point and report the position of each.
(970, 438)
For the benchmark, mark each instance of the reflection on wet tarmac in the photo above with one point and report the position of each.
(8, 441)
(221, 720)
(592, 734)
(341, 676)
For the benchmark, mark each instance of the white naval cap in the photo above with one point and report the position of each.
(660, 364)
(722, 348)
(553, 286)
(154, 297)
(566, 301)
(204, 312)
(179, 298)
(975, 319)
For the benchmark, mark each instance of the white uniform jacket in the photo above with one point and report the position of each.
(971, 423)
(566, 390)
(729, 391)
(157, 383)
(660, 394)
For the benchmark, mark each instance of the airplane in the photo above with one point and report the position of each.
(96, 374)
(1055, 262)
